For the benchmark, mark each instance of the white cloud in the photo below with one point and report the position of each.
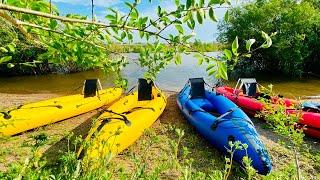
(102, 3)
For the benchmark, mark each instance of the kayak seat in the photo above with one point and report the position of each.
(203, 104)
(90, 88)
(249, 89)
(144, 90)
(197, 88)
(206, 106)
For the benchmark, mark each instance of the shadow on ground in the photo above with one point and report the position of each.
(54, 151)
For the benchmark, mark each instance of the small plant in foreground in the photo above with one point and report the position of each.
(283, 123)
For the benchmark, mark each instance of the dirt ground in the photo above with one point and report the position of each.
(17, 147)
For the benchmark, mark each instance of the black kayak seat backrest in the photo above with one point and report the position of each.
(249, 89)
(144, 89)
(90, 88)
(197, 88)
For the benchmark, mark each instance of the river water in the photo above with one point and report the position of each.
(172, 78)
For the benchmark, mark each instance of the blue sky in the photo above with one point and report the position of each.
(205, 32)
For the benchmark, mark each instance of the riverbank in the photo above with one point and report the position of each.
(151, 147)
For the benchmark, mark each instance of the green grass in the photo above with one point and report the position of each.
(162, 152)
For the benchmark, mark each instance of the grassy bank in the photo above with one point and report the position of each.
(170, 149)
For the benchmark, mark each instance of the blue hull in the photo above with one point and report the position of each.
(234, 126)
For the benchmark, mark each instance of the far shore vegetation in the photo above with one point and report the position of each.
(195, 47)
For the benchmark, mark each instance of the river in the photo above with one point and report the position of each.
(172, 78)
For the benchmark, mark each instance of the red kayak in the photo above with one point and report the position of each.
(310, 120)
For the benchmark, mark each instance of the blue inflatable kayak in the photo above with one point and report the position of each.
(219, 120)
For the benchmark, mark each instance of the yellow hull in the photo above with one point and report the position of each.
(110, 135)
(41, 113)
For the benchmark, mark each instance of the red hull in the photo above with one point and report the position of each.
(251, 106)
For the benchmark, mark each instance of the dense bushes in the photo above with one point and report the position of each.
(21, 52)
(296, 47)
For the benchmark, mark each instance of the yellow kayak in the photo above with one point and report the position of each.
(41, 113)
(121, 125)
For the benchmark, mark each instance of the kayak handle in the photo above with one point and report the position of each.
(221, 119)
(6, 115)
(123, 117)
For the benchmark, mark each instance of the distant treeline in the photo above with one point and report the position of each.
(136, 48)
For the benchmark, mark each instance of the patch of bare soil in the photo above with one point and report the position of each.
(13, 100)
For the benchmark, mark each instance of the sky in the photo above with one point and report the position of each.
(206, 32)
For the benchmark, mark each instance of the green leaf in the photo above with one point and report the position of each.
(123, 35)
(189, 3)
(247, 55)
(212, 72)
(141, 34)
(11, 47)
(10, 65)
(186, 38)
(212, 15)
(110, 17)
(29, 64)
(177, 2)
(249, 43)
(5, 59)
(223, 70)
(53, 24)
(268, 41)
(201, 3)
(273, 34)
(210, 66)
(199, 17)
(191, 24)
(178, 59)
(228, 54)
(235, 46)
(199, 57)
(134, 14)
(159, 11)
(226, 16)
(212, 2)
(128, 4)
(179, 28)
(3, 49)
(264, 35)
(130, 37)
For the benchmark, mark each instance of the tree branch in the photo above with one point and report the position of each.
(64, 34)
(131, 9)
(185, 10)
(51, 16)
(14, 22)
(104, 25)
(66, 19)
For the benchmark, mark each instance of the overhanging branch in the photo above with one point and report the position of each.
(61, 33)
(14, 22)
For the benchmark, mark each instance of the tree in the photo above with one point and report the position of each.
(75, 39)
(295, 49)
